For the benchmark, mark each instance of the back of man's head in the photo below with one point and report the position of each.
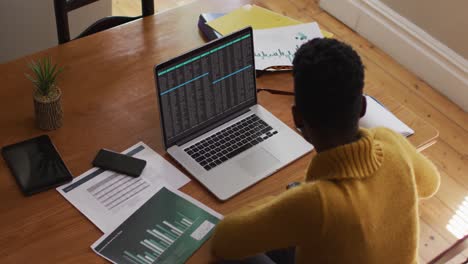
(328, 81)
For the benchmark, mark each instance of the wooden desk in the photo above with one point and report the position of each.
(109, 101)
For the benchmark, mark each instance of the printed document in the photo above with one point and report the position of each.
(108, 198)
(277, 46)
(168, 228)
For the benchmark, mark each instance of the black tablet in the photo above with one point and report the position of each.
(36, 164)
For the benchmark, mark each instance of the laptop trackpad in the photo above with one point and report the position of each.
(257, 162)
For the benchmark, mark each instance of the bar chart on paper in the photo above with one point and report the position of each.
(160, 238)
(166, 229)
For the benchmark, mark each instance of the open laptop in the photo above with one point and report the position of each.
(211, 122)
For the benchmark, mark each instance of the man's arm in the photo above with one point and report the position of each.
(286, 221)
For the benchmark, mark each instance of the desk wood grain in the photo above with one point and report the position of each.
(109, 101)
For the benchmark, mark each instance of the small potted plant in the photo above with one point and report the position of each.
(47, 95)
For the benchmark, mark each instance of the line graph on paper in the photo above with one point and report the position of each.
(277, 46)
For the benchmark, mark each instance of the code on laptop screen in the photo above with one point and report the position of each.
(208, 84)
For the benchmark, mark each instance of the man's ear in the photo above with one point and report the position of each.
(364, 106)
(298, 120)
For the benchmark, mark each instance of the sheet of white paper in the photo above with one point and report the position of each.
(377, 115)
(277, 46)
(108, 198)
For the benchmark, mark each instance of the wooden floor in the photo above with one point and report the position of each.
(450, 153)
(133, 7)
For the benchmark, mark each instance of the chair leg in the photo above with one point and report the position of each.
(451, 252)
(147, 7)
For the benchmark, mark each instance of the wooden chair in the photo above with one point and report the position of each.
(62, 7)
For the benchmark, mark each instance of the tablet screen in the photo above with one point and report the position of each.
(36, 164)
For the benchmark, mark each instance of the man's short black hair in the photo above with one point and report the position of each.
(328, 81)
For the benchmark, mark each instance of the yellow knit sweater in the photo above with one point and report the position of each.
(359, 204)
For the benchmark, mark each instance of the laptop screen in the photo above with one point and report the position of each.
(198, 89)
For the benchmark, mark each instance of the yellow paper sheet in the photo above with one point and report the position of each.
(255, 16)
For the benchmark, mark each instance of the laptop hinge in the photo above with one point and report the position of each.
(211, 127)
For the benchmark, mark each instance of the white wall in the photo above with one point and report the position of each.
(28, 26)
(447, 21)
(417, 50)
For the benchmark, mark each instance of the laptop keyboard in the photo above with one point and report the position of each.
(231, 141)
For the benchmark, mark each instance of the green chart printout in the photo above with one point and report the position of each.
(168, 228)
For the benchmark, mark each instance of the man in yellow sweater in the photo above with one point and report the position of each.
(359, 200)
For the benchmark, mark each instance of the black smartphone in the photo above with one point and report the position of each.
(121, 163)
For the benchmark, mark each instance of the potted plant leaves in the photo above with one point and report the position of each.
(46, 95)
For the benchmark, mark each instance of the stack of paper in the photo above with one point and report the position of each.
(254, 16)
(145, 219)
(379, 116)
(276, 37)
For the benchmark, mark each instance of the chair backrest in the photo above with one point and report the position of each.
(62, 7)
